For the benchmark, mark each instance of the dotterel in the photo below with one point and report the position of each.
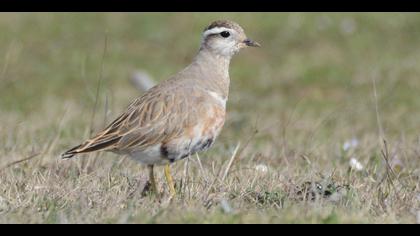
(180, 116)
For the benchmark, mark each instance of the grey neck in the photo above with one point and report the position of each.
(213, 61)
(215, 70)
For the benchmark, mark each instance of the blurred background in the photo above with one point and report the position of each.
(324, 88)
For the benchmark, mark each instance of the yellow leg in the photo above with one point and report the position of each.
(170, 181)
(152, 180)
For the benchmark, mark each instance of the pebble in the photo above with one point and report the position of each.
(4, 205)
(261, 168)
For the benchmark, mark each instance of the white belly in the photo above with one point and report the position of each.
(150, 156)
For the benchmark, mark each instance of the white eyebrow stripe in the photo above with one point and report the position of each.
(215, 30)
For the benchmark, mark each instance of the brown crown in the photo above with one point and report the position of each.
(224, 23)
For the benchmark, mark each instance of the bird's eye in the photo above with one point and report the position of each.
(225, 34)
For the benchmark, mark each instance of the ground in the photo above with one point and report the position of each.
(322, 127)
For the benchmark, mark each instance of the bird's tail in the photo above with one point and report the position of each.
(71, 153)
(96, 144)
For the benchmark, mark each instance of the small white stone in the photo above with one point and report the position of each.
(4, 205)
(355, 164)
(353, 143)
(396, 164)
(346, 146)
(261, 168)
(226, 206)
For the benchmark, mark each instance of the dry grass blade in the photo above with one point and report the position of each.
(389, 172)
(378, 117)
(6, 63)
(19, 161)
(232, 159)
(200, 165)
(98, 88)
(237, 153)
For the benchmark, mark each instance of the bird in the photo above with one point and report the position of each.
(182, 115)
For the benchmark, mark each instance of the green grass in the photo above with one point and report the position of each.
(308, 90)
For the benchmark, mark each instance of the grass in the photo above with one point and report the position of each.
(293, 104)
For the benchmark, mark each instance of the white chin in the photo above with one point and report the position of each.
(226, 50)
(226, 53)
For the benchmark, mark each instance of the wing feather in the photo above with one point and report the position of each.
(157, 116)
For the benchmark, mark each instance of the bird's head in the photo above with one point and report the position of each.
(226, 38)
